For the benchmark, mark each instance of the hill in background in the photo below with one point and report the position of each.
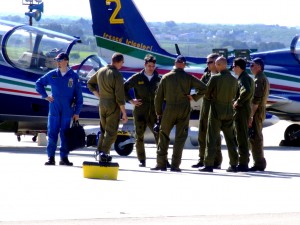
(194, 39)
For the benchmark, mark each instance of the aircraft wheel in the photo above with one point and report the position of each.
(290, 131)
(19, 138)
(127, 149)
(34, 138)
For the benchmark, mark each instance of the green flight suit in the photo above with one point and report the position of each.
(173, 90)
(144, 115)
(242, 114)
(111, 90)
(203, 120)
(221, 90)
(261, 93)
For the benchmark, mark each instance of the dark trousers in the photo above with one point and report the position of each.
(173, 116)
(214, 128)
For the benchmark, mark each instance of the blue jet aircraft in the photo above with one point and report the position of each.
(119, 26)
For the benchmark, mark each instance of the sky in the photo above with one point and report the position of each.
(271, 12)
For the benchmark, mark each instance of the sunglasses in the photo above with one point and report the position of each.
(209, 62)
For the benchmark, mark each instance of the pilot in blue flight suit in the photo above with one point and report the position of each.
(64, 103)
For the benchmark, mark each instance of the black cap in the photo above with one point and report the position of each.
(180, 59)
(61, 56)
(260, 62)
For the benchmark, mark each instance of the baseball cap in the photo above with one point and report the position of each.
(61, 56)
(180, 59)
(259, 61)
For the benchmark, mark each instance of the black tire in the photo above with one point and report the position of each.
(127, 148)
(19, 138)
(34, 138)
(290, 130)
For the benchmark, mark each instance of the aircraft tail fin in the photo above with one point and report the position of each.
(118, 26)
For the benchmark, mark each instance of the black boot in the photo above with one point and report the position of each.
(209, 169)
(161, 168)
(50, 162)
(168, 164)
(105, 157)
(175, 169)
(232, 169)
(199, 164)
(142, 163)
(65, 162)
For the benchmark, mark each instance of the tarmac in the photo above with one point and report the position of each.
(32, 193)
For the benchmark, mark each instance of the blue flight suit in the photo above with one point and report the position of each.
(68, 100)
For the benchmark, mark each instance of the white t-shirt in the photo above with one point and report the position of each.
(148, 76)
(64, 73)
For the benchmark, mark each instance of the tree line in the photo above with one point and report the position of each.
(194, 39)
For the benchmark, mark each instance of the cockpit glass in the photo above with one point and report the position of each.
(295, 47)
(35, 49)
(4, 28)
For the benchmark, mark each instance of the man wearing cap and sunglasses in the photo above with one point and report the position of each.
(258, 114)
(221, 90)
(65, 103)
(172, 102)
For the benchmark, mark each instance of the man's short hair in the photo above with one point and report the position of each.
(62, 56)
(260, 62)
(117, 57)
(149, 58)
(240, 62)
(213, 56)
(180, 59)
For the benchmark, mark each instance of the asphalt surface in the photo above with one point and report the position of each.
(31, 193)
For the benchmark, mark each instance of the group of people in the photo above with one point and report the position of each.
(233, 106)
(230, 105)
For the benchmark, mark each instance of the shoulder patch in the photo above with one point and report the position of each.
(70, 83)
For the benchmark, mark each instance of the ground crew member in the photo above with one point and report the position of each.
(174, 95)
(65, 102)
(242, 110)
(108, 85)
(258, 114)
(144, 84)
(203, 119)
(221, 90)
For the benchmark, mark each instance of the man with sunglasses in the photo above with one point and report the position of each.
(242, 110)
(203, 119)
(221, 90)
(65, 103)
(258, 113)
(144, 84)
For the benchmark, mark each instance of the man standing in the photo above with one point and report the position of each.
(173, 95)
(64, 103)
(111, 96)
(258, 114)
(242, 110)
(203, 120)
(144, 85)
(221, 90)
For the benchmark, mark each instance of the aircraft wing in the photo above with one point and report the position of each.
(275, 101)
(283, 107)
